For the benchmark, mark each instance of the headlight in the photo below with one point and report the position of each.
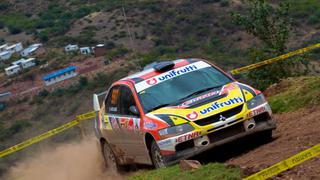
(175, 130)
(256, 101)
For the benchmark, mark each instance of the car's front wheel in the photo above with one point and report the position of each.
(157, 158)
(109, 157)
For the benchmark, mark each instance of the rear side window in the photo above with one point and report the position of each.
(112, 101)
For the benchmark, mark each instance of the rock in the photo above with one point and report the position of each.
(186, 165)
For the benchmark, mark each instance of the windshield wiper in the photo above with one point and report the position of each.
(198, 92)
(158, 107)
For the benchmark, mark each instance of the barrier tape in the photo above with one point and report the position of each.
(88, 115)
(286, 164)
(275, 59)
(47, 134)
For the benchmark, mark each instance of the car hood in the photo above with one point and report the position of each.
(207, 104)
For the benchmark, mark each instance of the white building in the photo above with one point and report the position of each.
(15, 48)
(14, 69)
(20, 65)
(28, 63)
(31, 49)
(3, 47)
(5, 55)
(25, 63)
(71, 48)
(86, 50)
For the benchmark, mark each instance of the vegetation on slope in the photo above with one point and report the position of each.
(294, 93)
(209, 171)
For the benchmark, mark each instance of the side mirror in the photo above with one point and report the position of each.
(134, 110)
(96, 104)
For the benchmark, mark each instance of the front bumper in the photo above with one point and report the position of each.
(192, 147)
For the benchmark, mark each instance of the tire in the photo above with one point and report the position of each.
(156, 157)
(111, 161)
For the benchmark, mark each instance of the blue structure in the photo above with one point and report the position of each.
(60, 75)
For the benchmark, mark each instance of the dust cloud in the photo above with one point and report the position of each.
(73, 161)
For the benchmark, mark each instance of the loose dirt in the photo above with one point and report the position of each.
(74, 161)
(296, 132)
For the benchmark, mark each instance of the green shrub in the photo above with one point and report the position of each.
(2, 106)
(58, 92)
(224, 3)
(83, 81)
(313, 19)
(43, 36)
(14, 29)
(43, 93)
(4, 6)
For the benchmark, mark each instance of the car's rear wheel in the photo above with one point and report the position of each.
(109, 157)
(157, 158)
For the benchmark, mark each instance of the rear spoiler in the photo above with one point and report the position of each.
(96, 102)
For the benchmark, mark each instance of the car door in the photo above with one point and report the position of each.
(130, 124)
(112, 129)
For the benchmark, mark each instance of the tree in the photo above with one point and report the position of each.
(272, 26)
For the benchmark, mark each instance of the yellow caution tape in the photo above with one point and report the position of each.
(88, 115)
(286, 164)
(275, 59)
(46, 134)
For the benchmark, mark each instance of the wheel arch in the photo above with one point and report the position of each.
(148, 138)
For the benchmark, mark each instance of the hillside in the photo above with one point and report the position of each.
(159, 30)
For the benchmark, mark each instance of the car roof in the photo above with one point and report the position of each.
(148, 71)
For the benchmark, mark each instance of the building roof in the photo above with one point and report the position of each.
(30, 59)
(12, 67)
(5, 53)
(3, 46)
(58, 73)
(31, 48)
(11, 47)
(72, 45)
(100, 45)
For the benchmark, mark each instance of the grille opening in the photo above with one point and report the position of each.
(216, 118)
(185, 145)
(226, 132)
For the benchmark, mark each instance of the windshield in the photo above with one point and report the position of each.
(182, 87)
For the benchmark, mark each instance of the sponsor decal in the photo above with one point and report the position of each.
(217, 105)
(113, 123)
(226, 88)
(152, 81)
(189, 136)
(169, 75)
(150, 125)
(256, 112)
(165, 143)
(191, 101)
(192, 116)
(136, 124)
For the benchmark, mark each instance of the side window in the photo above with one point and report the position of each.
(112, 101)
(126, 100)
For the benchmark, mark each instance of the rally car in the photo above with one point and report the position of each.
(173, 110)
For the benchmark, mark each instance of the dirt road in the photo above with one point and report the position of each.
(296, 131)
